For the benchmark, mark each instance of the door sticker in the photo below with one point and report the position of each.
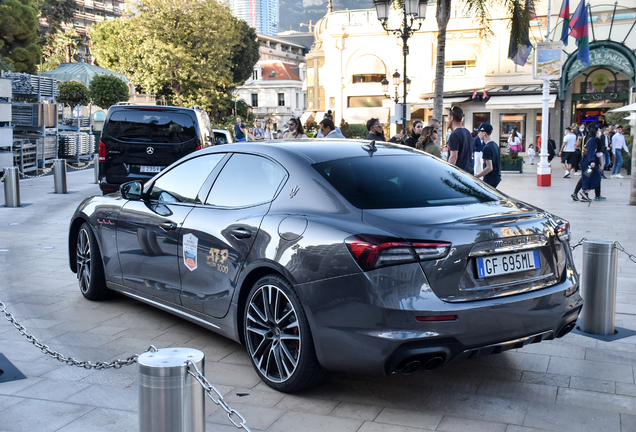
(216, 259)
(190, 244)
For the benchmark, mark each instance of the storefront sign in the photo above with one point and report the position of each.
(548, 64)
(603, 57)
(600, 96)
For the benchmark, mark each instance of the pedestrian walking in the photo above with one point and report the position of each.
(578, 149)
(478, 148)
(514, 141)
(606, 146)
(295, 129)
(567, 151)
(531, 153)
(618, 146)
(376, 133)
(329, 130)
(239, 130)
(590, 166)
(416, 132)
(492, 157)
(460, 142)
(427, 139)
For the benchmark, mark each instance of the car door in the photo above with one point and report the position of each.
(225, 229)
(149, 230)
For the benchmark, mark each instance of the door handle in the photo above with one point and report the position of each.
(168, 226)
(241, 233)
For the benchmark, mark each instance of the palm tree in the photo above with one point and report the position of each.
(68, 40)
(519, 12)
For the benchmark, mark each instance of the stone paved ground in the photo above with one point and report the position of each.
(577, 383)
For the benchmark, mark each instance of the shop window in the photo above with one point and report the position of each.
(507, 123)
(367, 78)
(479, 118)
(364, 101)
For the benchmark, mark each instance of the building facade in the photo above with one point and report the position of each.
(352, 54)
(276, 89)
(261, 15)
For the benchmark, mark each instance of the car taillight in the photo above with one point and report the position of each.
(371, 252)
(563, 231)
(101, 157)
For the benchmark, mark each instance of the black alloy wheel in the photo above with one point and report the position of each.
(278, 337)
(90, 270)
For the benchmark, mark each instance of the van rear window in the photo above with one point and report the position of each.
(150, 126)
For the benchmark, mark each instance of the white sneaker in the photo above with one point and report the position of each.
(566, 173)
(619, 176)
(577, 173)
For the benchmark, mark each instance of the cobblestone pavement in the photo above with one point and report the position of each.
(577, 383)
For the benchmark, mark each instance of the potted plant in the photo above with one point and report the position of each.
(511, 162)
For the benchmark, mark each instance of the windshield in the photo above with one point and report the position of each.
(414, 180)
(151, 126)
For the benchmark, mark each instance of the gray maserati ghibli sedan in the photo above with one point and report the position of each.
(332, 255)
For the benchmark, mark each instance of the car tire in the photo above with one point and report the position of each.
(90, 269)
(278, 337)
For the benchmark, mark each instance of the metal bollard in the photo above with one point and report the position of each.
(96, 167)
(11, 187)
(170, 399)
(598, 286)
(59, 176)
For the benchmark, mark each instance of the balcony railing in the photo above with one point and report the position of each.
(460, 71)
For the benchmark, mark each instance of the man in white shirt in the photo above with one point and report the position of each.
(567, 151)
(618, 146)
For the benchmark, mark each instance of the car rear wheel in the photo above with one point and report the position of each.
(278, 337)
(90, 270)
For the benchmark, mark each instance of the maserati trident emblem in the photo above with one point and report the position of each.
(150, 150)
(294, 191)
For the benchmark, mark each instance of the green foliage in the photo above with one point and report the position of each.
(55, 12)
(72, 94)
(244, 54)
(346, 129)
(18, 34)
(106, 90)
(59, 48)
(185, 51)
(5, 65)
(358, 131)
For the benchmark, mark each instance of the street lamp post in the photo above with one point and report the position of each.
(414, 12)
(396, 84)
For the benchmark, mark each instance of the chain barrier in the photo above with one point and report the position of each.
(209, 389)
(80, 168)
(618, 245)
(44, 172)
(117, 364)
(4, 175)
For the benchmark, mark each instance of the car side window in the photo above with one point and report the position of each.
(182, 183)
(246, 180)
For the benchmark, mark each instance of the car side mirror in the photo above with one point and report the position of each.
(132, 190)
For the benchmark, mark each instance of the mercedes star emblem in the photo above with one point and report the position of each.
(150, 150)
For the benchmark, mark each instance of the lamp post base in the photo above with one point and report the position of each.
(544, 173)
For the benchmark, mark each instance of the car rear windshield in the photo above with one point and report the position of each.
(403, 182)
(151, 126)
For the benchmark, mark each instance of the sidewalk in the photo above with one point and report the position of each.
(577, 383)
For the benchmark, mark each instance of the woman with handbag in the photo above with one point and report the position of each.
(591, 178)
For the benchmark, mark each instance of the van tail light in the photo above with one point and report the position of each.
(101, 156)
(563, 231)
(371, 252)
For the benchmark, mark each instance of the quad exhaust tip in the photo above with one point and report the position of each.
(567, 329)
(429, 365)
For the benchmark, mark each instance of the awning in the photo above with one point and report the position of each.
(311, 115)
(631, 107)
(361, 115)
(533, 101)
(447, 103)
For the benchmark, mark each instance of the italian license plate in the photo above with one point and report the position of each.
(149, 169)
(508, 263)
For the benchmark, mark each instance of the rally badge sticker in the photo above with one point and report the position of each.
(190, 244)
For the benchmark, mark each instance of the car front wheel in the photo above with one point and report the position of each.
(278, 337)
(90, 270)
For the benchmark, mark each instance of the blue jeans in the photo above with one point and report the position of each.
(606, 158)
(618, 162)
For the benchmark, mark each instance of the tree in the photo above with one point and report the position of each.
(72, 94)
(519, 12)
(245, 53)
(60, 48)
(55, 12)
(190, 52)
(106, 90)
(18, 34)
(5, 65)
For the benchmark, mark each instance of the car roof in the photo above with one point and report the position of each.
(319, 150)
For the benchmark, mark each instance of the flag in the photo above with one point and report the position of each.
(520, 47)
(579, 26)
(519, 54)
(485, 94)
(474, 94)
(565, 14)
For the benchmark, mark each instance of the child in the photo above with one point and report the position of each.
(531, 153)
